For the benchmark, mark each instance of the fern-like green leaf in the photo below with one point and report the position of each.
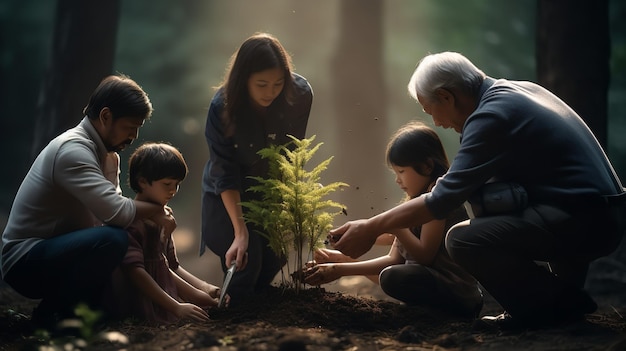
(293, 212)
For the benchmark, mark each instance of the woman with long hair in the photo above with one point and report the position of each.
(260, 102)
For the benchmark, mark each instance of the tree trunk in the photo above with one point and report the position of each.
(573, 53)
(83, 50)
(359, 103)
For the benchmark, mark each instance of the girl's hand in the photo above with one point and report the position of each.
(192, 312)
(328, 255)
(321, 274)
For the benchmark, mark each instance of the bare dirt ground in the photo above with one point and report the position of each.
(350, 314)
(319, 319)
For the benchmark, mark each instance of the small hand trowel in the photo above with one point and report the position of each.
(229, 276)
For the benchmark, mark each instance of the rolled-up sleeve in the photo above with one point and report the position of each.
(304, 101)
(482, 154)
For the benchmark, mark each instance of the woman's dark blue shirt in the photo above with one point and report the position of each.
(232, 159)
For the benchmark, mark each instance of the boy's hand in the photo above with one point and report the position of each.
(211, 290)
(165, 219)
(191, 312)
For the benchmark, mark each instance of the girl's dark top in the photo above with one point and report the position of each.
(452, 280)
(232, 159)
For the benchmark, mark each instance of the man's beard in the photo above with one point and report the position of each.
(119, 147)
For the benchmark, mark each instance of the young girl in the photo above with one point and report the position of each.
(417, 269)
(260, 102)
(151, 284)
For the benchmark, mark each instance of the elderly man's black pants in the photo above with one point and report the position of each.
(502, 253)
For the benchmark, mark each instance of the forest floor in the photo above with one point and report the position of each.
(317, 319)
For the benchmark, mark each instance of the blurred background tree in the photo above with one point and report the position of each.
(562, 60)
(357, 54)
(359, 102)
(83, 50)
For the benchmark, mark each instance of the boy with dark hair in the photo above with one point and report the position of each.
(151, 284)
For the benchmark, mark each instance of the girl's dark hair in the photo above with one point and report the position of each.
(418, 146)
(155, 161)
(122, 95)
(258, 53)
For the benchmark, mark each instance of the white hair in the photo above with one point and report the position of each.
(448, 70)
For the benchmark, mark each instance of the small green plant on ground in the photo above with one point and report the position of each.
(293, 211)
(78, 333)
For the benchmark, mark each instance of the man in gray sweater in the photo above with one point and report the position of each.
(65, 233)
(521, 135)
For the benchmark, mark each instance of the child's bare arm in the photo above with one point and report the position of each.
(196, 282)
(385, 239)
(423, 249)
(147, 286)
(192, 294)
(328, 272)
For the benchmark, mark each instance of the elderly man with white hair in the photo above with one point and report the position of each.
(533, 177)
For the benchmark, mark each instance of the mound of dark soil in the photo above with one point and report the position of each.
(315, 319)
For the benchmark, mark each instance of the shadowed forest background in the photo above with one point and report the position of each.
(357, 54)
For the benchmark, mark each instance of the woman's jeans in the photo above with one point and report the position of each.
(502, 251)
(262, 266)
(263, 263)
(70, 268)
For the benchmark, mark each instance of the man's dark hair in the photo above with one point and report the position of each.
(122, 95)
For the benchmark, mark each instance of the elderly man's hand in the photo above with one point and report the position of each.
(354, 238)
